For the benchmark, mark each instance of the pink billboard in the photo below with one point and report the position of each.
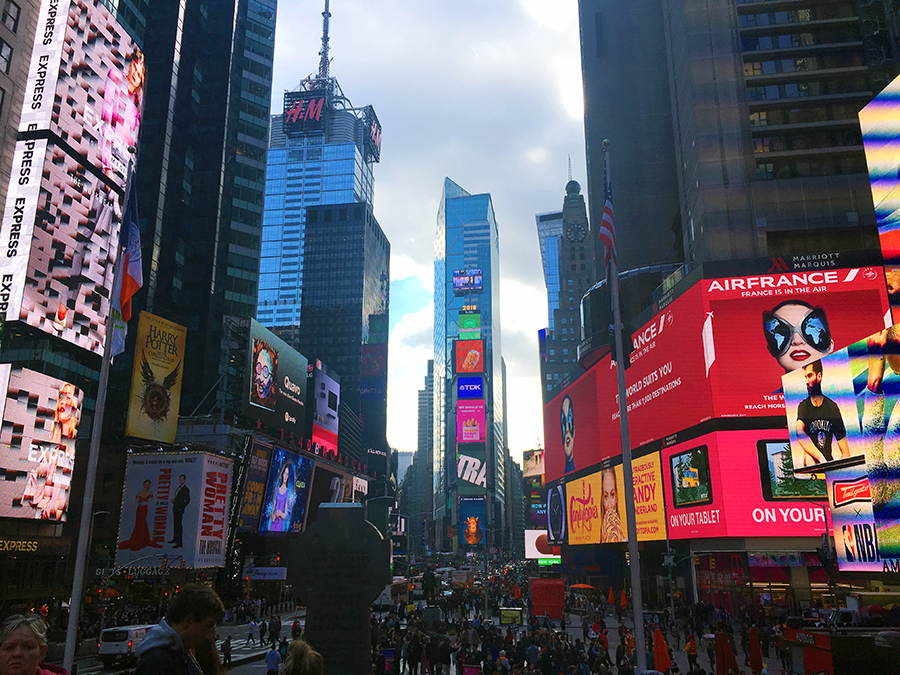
(728, 484)
(470, 423)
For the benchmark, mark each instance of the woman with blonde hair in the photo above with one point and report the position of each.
(302, 660)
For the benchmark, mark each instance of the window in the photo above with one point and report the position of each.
(2, 99)
(5, 56)
(11, 15)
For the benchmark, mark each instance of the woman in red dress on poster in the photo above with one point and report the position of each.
(140, 535)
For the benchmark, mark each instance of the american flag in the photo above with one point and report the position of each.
(607, 232)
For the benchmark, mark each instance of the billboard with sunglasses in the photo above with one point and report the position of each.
(845, 406)
(572, 428)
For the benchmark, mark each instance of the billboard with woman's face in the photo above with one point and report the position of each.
(287, 494)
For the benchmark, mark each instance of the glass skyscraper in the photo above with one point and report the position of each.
(330, 165)
(467, 284)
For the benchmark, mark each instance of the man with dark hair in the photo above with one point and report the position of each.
(819, 422)
(190, 619)
(179, 503)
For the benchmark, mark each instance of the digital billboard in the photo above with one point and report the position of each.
(371, 135)
(325, 404)
(254, 491)
(584, 510)
(86, 85)
(287, 493)
(467, 281)
(469, 356)
(714, 487)
(852, 520)
(776, 467)
(470, 421)
(469, 387)
(469, 325)
(844, 406)
(472, 521)
(533, 463)
(329, 486)
(572, 429)
(60, 235)
(156, 379)
(557, 519)
(175, 506)
(649, 502)
(37, 443)
(535, 503)
(471, 469)
(879, 122)
(306, 111)
(276, 383)
(537, 547)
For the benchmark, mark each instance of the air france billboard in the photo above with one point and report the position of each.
(276, 383)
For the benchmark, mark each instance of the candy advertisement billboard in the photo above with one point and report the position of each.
(714, 487)
(37, 443)
(845, 406)
(175, 506)
(86, 85)
(287, 493)
(276, 384)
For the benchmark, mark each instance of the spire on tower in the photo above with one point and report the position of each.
(323, 53)
(570, 167)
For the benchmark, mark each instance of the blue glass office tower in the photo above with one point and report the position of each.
(331, 164)
(467, 240)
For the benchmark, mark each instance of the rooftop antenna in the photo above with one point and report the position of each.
(323, 53)
(570, 167)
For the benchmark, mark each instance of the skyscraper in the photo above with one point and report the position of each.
(467, 355)
(567, 252)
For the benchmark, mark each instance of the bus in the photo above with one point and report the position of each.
(690, 478)
(394, 592)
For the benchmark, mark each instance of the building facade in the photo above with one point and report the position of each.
(467, 343)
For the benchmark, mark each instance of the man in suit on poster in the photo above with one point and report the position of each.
(179, 503)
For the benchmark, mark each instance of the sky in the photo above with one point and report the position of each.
(488, 94)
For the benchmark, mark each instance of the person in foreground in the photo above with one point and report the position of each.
(302, 659)
(172, 647)
(23, 646)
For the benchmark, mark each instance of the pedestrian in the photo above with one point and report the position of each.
(711, 651)
(263, 629)
(23, 646)
(190, 620)
(302, 660)
(274, 629)
(273, 660)
(226, 651)
(691, 650)
(251, 628)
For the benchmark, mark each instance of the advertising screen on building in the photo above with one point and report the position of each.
(287, 493)
(86, 85)
(156, 379)
(59, 235)
(537, 547)
(572, 429)
(276, 383)
(470, 421)
(175, 506)
(557, 515)
(467, 281)
(306, 111)
(469, 325)
(329, 486)
(727, 499)
(469, 356)
(776, 467)
(469, 387)
(533, 463)
(254, 492)
(472, 521)
(879, 122)
(585, 510)
(649, 502)
(325, 403)
(371, 135)
(471, 469)
(37, 443)
(535, 503)
(853, 523)
(844, 406)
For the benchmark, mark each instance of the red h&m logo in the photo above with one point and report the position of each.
(778, 265)
(305, 109)
(851, 491)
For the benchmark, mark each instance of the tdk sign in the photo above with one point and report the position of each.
(469, 387)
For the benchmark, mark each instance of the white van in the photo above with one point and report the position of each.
(120, 644)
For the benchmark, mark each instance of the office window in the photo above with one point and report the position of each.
(5, 56)
(11, 15)
(2, 99)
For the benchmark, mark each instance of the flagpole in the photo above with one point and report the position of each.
(84, 530)
(633, 554)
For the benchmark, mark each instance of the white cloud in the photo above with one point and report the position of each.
(409, 349)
